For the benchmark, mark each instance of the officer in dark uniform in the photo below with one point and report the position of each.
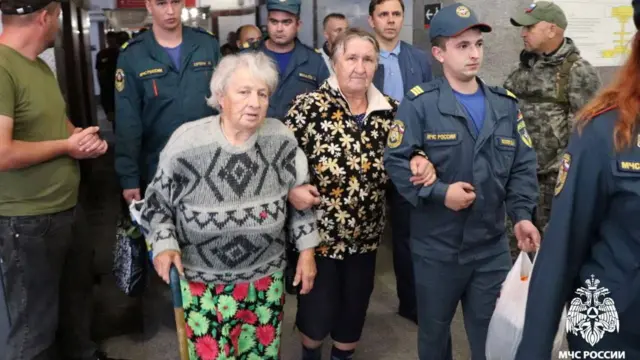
(476, 138)
(302, 69)
(156, 92)
(590, 256)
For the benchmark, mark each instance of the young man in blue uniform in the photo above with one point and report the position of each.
(475, 137)
(402, 67)
(301, 68)
(589, 260)
(162, 80)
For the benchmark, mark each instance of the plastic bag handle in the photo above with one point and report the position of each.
(135, 208)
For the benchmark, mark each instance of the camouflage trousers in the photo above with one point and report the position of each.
(547, 184)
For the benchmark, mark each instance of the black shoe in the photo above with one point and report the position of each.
(409, 315)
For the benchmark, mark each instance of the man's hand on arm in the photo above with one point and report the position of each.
(422, 170)
(303, 197)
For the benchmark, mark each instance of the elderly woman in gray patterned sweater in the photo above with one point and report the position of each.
(219, 206)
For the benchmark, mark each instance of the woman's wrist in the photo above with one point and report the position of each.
(308, 252)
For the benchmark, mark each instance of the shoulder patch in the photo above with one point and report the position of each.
(418, 90)
(396, 132)
(521, 127)
(119, 80)
(565, 164)
(318, 51)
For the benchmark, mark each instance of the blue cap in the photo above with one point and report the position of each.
(290, 6)
(454, 19)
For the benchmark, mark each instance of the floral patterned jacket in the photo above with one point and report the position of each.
(346, 164)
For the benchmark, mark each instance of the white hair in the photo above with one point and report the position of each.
(259, 65)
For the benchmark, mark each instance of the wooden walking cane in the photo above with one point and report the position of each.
(178, 311)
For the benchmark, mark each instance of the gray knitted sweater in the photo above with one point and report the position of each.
(225, 207)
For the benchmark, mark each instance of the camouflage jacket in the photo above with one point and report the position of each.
(551, 89)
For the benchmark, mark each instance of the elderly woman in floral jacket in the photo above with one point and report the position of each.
(342, 128)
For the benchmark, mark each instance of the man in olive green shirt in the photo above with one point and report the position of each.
(44, 261)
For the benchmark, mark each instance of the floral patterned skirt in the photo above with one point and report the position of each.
(237, 321)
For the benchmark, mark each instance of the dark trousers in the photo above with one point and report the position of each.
(440, 286)
(337, 305)
(46, 273)
(400, 216)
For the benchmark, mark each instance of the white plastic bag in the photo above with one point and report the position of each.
(507, 322)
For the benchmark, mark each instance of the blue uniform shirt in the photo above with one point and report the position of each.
(474, 106)
(305, 72)
(499, 162)
(174, 54)
(282, 59)
(393, 85)
(154, 97)
(593, 229)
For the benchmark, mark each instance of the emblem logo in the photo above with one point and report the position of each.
(395, 134)
(593, 317)
(119, 80)
(565, 164)
(530, 8)
(522, 130)
(463, 12)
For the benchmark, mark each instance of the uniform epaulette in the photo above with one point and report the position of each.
(203, 30)
(131, 42)
(418, 90)
(311, 49)
(504, 92)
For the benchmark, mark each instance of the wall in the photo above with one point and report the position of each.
(502, 46)
(228, 24)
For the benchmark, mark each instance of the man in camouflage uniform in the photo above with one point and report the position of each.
(552, 82)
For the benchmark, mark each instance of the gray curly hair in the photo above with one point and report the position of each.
(258, 64)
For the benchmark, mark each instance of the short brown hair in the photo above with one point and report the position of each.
(440, 41)
(353, 33)
(374, 3)
(332, 16)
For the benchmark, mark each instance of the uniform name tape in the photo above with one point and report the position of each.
(442, 137)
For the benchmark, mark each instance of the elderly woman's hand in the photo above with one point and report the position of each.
(305, 271)
(163, 263)
(303, 197)
(423, 171)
